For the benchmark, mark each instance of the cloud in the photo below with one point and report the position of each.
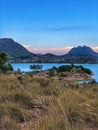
(67, 28)
(95, 48)
(58, 29)
(57, 51)
(26, 46)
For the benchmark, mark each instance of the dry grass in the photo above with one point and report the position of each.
(46, 104)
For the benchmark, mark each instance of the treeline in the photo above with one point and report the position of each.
(69, 68)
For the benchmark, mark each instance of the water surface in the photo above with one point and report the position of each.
(26, 67)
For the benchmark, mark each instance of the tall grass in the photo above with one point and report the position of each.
(47, 104)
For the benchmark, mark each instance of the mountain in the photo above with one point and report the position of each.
(75, 55)
(13, 49)
(17, 53)
(82, 51)
(80, 59)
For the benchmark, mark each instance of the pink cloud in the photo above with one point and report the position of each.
(95, 48)
(58, 51)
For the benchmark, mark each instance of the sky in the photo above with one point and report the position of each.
(54, 26)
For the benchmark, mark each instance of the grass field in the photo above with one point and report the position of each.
(43, 103)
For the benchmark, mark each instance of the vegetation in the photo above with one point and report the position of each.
(35, 67)
(86, 70)
(45, 103)
(62, 70)
(3, 66)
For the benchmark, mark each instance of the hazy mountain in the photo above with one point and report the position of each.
(12, 48)
(17, 53)
(83, 51)
(75, 55)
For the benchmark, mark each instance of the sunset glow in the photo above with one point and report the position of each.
(57, 51)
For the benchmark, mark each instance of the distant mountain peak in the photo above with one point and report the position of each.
(83, 50)
(12, 48)
(17, 53)
(7, 39)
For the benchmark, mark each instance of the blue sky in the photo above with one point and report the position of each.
(50, 25)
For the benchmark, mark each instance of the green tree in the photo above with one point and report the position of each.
(3, 66)
(36, 68)
(3, 58)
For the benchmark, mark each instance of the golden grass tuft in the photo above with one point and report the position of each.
(54, 103)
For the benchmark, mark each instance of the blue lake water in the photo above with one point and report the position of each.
(26, 67)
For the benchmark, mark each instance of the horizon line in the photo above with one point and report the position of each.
(54, 51)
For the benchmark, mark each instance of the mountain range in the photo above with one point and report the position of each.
(17, 53)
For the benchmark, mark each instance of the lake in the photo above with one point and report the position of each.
(26, 67)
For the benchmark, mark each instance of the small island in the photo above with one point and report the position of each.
(66, 72)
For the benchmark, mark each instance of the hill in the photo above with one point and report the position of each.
(17, 53)
(83, 51)
(75, 55)
(13, 49)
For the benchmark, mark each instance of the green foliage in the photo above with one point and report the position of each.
(69, 68)
(3, 66)
(86, 70)
(62, 74)
(64, 68)
(9, 67)
(35, 67)
(3, 58)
